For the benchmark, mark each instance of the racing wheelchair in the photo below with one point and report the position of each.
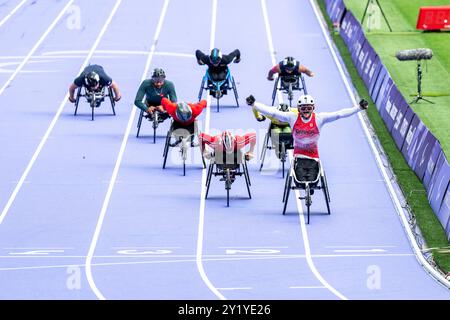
(285, 143)
(155, 120)
(306, 174)
(228, 170)
(218, 88)
(183, 138)
(287, 85)
(95, 98)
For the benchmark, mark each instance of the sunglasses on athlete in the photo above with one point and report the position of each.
(306, 108)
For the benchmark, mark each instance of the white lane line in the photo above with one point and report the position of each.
(264, 256)
(38, 43)
(231, 289)
(307, 287)
(12, 12)
(436, 275)
(259, 247)
(359, 250)
(55, 118)
(118, 163)
(330, 247)
(297, 194)
(201, 220)
(108, 264)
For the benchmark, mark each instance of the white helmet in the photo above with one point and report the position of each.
(305, 99)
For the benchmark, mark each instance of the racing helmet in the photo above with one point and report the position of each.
(215, 56)
(158, 74)
(92, 79)
(183, 112)
(289, 63)
(305, 99)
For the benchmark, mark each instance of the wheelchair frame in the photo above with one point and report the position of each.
(320, 183)
(155, 123)
(290, 90)
(226, 171)
(183, 147)
(209, 84)
(95, 97)
(283, 152)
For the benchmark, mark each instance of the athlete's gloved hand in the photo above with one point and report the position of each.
(200, 62)
(270, 78)
(363, 104)
(250, 100)
(116, 99)
(237, 60)
(261, 119)
(72, 99)
(249, 156)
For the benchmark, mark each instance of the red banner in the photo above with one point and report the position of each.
(433, 18)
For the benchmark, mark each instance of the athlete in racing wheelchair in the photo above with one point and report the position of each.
(306, 169)
(95, 85)
(153, 90)
(226, 158)
(183, 128)
(279, 134)
(290, 78)
(218, 79)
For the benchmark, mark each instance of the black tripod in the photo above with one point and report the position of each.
(382, 12)
(419, 85)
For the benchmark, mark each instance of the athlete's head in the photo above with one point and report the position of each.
(289, 64)
(305, 106)
(158, 77)
(92, 80)
(227, 141)
(184, 112)
(215, 57)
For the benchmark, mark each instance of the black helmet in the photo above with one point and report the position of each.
(216, 56)
(289, 63)
(158, 73)
(92, 79)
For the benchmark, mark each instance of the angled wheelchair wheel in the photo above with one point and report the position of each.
(235, 91)
(246, 173)
(275, 88)
(228, 185)
(166, 148)
(202, 86)
(141, 115)
(264, 150)
(287, 185)
(283, 156)
(323, 181)
(208, 178)
(77, 100)
(111, 98)
(287, 191)
(247, 179)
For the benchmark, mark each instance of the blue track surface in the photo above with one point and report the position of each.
(151, 235)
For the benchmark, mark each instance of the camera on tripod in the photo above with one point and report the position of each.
(418, 55)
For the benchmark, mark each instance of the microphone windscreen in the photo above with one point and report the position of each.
(414, 54)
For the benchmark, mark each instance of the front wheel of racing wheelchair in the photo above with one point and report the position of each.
(95, 98)
(183, 137)
(228, 170)
(306, 174)
(157, 118)
(218, 89)
(287, 85)
(284, 142)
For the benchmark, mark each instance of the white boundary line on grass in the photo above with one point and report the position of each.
(58, 112)
(37, 44)
(12, 12)
(436, 275)
(201, 220)
(115, 173)
(299, 204)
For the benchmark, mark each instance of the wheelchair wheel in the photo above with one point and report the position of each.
(308, 201)
(235, 92)
(92, 108)
(325, 192)
(155, 125)
(184, 155)
(77, 100)
(201, 89)
(264, 150)
(111, 98)
(217, 104)
(228, 185)
(275, 88)
(247, 180)
(283, 156)
(208, 178)
(141, 115)
(166, 148)
(290, 95)
(287, 191)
